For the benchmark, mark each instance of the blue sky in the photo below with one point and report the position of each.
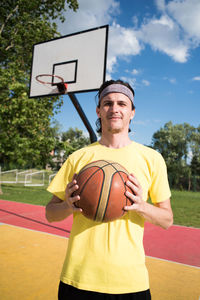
(155, 46)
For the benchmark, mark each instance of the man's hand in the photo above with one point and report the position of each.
(136, 195)
(70, 199)
(159, 213)
(57, 209)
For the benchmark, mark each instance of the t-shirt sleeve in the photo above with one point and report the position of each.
(159, 189)
(60, 181)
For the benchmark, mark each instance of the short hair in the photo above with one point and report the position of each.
(102, 87)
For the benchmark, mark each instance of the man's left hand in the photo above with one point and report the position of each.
(136, 195)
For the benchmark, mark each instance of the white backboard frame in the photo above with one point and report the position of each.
(79, 58)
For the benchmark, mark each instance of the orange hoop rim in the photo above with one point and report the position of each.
(49, 82)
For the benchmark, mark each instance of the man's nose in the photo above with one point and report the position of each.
(114, 107)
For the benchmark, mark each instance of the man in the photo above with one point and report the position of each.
(106, 260)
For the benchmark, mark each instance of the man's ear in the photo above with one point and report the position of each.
(132, 114)
(98, 112)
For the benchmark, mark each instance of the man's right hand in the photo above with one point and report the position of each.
(70, 199)
(57, 209)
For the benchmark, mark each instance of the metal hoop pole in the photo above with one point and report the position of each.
(93, 137)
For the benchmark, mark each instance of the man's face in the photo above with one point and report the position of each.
(115, 112)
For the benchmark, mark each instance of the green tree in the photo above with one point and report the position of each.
(72, 140)
(75, 138)
(66, 143)
(195, 149)
(174, 143)
(195, 165)
(26, 137)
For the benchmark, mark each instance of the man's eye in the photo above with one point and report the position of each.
(107, 103)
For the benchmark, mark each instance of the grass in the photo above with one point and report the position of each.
(185, 204)
(186, 208)
(19, 193)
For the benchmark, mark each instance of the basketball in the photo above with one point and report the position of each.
(102, 190)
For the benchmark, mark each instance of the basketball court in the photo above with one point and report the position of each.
(32, 252)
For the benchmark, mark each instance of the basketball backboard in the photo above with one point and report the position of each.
(79, 58)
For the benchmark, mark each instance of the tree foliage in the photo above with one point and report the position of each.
(180, 146)
(195, 146)
(75, 138)
(66, 143)
(26, 136)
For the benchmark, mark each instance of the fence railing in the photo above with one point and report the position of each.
(26, 177)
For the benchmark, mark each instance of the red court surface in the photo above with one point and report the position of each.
(178, 243)
(32, 217)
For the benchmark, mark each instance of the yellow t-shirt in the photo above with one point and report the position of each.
(109, 257)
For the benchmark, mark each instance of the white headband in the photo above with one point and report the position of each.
(117, 88)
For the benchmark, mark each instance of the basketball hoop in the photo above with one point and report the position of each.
(61, 85)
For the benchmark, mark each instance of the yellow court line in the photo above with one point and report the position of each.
(31, 262)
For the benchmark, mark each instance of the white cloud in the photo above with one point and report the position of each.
(160, 5)
(122, 43)
(164, 35)
(90, 14)
(164, 21)
(135, 21)
(145, 82)
(174, 31)
(197, 78)
(111, 63)
(177, 31)
(130, 80)
(134, 83)
(135, 72)
(187, 15)
(171, 80)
